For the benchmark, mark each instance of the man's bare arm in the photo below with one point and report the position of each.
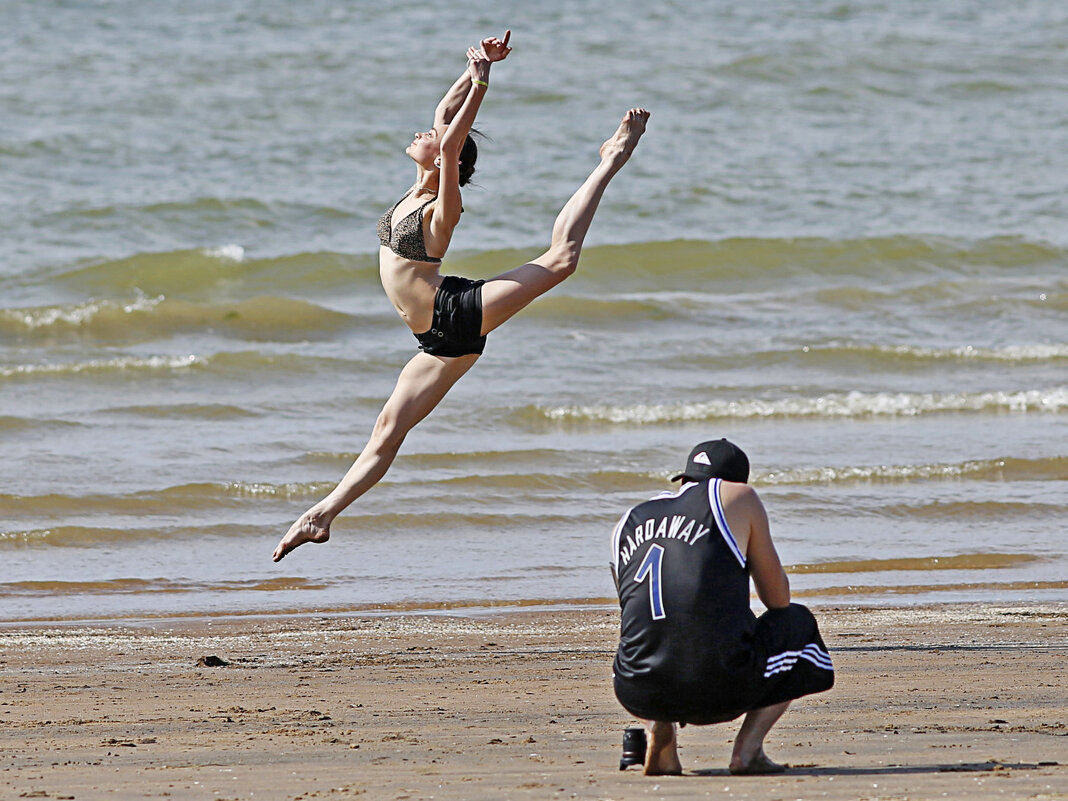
(769, 578)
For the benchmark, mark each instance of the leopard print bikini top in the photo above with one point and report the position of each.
(406, 237)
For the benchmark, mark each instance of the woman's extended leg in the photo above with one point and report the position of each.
(506, 294)
(422, 384)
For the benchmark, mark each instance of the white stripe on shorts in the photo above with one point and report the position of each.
(780, 663)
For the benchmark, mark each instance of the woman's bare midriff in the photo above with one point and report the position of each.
(410, 287)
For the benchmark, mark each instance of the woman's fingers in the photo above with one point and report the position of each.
(496, 49)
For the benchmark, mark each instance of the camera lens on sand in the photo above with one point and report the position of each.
(634, 745)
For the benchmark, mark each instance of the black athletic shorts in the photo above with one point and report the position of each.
(457, 326)
(788, 660)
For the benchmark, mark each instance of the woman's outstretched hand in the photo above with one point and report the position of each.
(496, 49)
(478, 64)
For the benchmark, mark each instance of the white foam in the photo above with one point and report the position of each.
(37, 535)
(229, 252)
(77, 315)
(291, 490)
(102, 365)
(835, 405)
(876, 473)
(1010, 353)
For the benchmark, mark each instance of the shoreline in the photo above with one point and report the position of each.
(417, 609)
(889, 597)
(938, 699)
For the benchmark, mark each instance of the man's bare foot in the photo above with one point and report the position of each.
(312, 526)
(757, 765)
(662, 757)
(622, 143)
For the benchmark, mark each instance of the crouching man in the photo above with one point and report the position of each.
(690, 649)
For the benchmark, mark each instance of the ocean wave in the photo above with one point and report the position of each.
(559, 483)
(91, 536)
(247, 489)
(225, 363)
(980, 511)
(183, 411)
(1007, 469)
(970, 561)
(935, 510)
(869, 357)
(189, 499)
(834, 405)
(10, 424)
(773, 260)
(679, 264)
(72, 316)
(505, 458)
(265, 318)
(534, 468)
(229, 252)
(922, 354)
(137, 586)
(226, 267)
(590, 310)
(175, 500)
(119, 364)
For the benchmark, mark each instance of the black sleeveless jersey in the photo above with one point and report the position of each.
(683, 585)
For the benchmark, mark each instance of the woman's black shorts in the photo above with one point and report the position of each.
(457, 326)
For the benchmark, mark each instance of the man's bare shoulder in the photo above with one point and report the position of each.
(732, 493)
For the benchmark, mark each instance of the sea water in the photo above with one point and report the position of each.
(843, 244)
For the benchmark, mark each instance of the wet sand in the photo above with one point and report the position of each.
(931, 702)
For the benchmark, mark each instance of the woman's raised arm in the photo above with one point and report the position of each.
(495, 50)
(446, 212)
(452, 101)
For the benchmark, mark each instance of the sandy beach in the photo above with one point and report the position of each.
(931, 702)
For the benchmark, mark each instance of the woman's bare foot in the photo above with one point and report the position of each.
(312, 526)
(662, 757)
(622, 143)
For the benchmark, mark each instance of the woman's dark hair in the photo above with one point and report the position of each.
(468, 156)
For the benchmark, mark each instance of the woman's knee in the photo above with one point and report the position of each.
(389, 432)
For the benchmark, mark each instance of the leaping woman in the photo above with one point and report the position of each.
(449, 315)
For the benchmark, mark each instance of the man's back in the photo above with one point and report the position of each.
(690, 649)
(684, 594)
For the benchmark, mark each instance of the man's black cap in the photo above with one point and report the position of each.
(717, 458)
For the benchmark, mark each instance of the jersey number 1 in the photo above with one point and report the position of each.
(650, 567)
